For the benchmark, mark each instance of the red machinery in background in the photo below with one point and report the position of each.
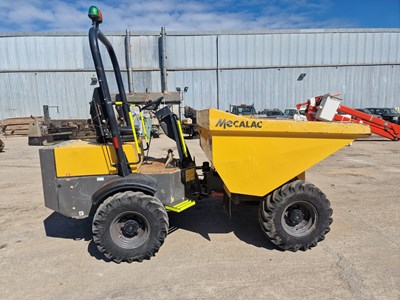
(328, 108)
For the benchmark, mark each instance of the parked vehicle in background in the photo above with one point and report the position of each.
(367, 111)
(290, 112)
(242, 110)
(189, 124)
(272, 114)
(296, 114)
(388, 114)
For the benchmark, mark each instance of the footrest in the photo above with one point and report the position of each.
(181, 206)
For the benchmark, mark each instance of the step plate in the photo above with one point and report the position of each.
(181, 206)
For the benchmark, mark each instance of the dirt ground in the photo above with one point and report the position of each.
(207, 255)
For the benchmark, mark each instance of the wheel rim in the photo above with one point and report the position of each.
(299, 218)
(130, 230)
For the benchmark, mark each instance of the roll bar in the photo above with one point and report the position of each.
(95, 35)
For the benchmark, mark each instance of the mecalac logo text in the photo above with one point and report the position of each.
(238, 124)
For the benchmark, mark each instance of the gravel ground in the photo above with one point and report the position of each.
(207, 255)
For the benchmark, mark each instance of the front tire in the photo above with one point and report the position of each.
(295, 216)
(130, 226)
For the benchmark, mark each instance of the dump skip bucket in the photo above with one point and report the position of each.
(255, 156)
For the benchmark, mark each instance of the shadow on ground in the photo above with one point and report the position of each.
(59, 226)
(207, 217)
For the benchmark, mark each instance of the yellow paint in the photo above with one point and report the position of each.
(181, 137)
(86, 158)
(135, 138)
(255, 156)
(181, 206)
(190, 174)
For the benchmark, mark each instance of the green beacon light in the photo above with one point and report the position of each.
(95, 15)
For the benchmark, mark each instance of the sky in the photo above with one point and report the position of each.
(194, 15)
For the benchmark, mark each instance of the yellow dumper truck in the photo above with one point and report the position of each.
(251, 159)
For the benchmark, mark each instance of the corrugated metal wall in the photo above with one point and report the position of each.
(55, 70)
(219, 68)
(263, 68)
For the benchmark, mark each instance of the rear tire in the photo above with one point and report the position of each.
(130, 226)
(295, 216)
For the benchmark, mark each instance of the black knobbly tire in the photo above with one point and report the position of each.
(295, 216)
(130, 226)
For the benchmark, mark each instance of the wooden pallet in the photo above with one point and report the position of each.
(17, 126)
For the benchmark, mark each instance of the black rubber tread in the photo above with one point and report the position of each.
(273, 206)
(148, 206)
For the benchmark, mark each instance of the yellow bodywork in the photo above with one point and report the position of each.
(255, 156)
(86, 158)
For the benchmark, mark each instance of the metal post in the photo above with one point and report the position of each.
(128, 60)
(180, 104)
(163, 61)
(46, 114)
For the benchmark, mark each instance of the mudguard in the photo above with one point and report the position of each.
(135, 182)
